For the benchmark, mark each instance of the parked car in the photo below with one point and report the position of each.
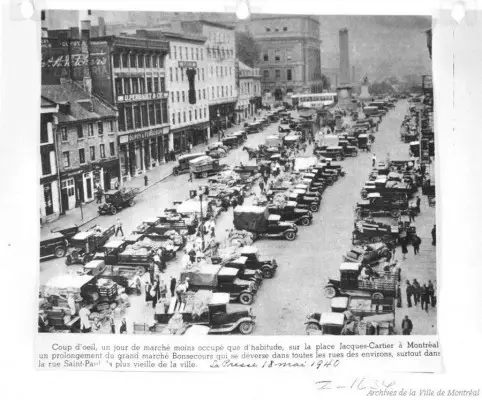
(116, 200)
(217, 314)
(221, 279)
(348, 149)
(183, 163)
(53, 245)
(369, 254)
(258, 221)
(333, 152)
(350, 283)
(290, 212)
(204, 166)
(311, 203)
(375, 204)
(85, 244)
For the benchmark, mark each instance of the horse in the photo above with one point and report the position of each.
(252, 153)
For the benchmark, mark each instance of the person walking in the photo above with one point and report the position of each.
(407, 325)
(261, 187)
(410, 292)
(404, 248)
(146, 180)
(190, 176)
(416, 242)
(425, 297)
(374, 160)
(112, 321)
(417, 291)
(411, 214)
(172, 286)
(434, 233)
(431, 293)
(99, 194)
(118, 227)
(417, 208)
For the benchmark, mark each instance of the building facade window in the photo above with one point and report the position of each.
(289, 75)
(82, 156)
(100, 128)
(156, 85)
(132, 61)
(268, 29)
(66, 159)
(152, 114)
(117, 60)
(112, 149)
(170, 73)
(145, 122)
(163, 84)
(137, 117)
(289, 55)
(277, 55)
(118, 86)
(278, 74)
(149, 85)
(122, 119)
(111, 126)
(92, 153)
(90, 129)
(125, 60)
(285, 28)
(204, 94)
(157, 109)
(265, 57)
(173, 118)
(266, 74)
(102, 150)
(184, 116)
(46, 167)
(172, 97)
(177, 74)
(164, 112)
(195, 114)
(177, 97)
(129, 120)
(63, 134)
(175, 52)
(190, 116)
(179, 117)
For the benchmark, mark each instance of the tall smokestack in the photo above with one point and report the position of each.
(344, 58)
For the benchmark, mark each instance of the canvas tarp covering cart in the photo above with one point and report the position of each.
(206, 276)
(251, 218)
(65, 283)
(192, 206)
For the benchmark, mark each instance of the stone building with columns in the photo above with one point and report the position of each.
(186, 82)
(137, 71)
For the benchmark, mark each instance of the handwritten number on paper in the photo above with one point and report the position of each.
(359, 384)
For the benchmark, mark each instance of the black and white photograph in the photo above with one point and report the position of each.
(202, 174)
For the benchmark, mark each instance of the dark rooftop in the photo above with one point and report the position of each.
(81, 105)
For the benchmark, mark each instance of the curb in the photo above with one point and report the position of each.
(140, 191)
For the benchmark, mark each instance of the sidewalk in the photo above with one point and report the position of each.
(89, 211)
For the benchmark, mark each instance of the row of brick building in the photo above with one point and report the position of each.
(115, 106)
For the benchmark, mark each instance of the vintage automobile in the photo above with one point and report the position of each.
(85, 244)
(230, 142)
(216, 153)
(374, 232)
(240, 137)
(290, 212)
(369, 254)
(183, 161)
(68, 231)
(252, 127)
(258, 221)
(284, 126)
(291, 140)
(250, 260)
(348, 149)
(375, 204)
(306, 187)
(267, 267)
(392, 188)
(221, 279)
(53, 245)
(204, 166)
(116, 200)
(313, 184)
(333, 152)
(244, 272)
(210, 310)
(351, 283)
(337, 323)
(311, 203)
(363, 306)
(364, 142)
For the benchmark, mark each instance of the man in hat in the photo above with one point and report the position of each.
(374, 160)
(172, 286)
(410, 292)
(407, 325)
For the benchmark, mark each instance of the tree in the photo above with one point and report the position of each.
(247, 49)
